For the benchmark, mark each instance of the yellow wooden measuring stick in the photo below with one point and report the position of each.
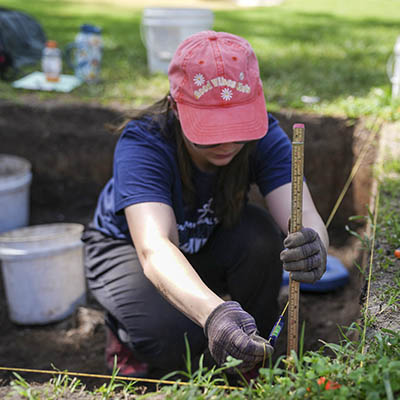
(295, 225)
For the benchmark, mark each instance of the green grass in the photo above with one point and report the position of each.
(334, 49)
(353, 372)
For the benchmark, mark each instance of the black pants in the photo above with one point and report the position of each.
(242, 261)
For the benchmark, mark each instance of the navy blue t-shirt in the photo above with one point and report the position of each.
(146, 170)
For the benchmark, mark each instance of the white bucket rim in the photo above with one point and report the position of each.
(44, 232)
(10, 253)
(15, 182)
(168, 12)
(176, 23)
(23, 167)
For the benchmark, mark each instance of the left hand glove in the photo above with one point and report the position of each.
(231, 331)
(304, 255)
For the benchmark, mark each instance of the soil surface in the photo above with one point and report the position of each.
(77, 343)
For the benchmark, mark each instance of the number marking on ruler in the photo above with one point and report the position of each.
(295, 225)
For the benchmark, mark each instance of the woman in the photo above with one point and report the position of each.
(173, 231)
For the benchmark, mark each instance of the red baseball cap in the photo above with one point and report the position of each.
(215, 80)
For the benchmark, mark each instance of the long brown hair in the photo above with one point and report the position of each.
(232, 180)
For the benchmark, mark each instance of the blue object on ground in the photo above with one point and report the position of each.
(336, 276)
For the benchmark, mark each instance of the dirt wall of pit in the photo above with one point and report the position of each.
(71, 147)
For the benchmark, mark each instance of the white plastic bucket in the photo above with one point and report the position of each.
(15, 180)
(163, 29)
(43, 272)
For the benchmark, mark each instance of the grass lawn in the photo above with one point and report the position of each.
(336, 50)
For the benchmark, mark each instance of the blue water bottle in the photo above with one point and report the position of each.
(84, 55)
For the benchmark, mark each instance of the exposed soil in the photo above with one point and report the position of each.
(77, 343)
(70, 165)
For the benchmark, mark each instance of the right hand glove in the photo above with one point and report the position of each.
(232, 331)
(304, 255)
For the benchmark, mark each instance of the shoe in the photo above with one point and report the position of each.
(251, 375)
(126, 363)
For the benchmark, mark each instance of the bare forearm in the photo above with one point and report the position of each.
(312, 220)
(167, 268)
(279, 203)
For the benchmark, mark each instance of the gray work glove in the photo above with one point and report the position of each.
(304, 255)
(232, 331)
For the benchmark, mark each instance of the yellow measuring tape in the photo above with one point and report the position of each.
(297, 170)
(295, 226)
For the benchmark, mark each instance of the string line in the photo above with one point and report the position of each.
(375, 129)
(125, 378)
(376, 211)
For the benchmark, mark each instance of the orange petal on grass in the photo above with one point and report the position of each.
(321, 380)
(332, 385)
(328, 384)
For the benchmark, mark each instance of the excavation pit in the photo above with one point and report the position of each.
(70, 148)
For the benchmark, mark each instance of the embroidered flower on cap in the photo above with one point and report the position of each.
(226, 94)
(199, 79)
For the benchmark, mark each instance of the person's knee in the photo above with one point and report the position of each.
(166, 347)
(262, 234)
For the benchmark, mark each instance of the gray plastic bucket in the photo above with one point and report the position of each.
(163, 29)
(15, 180)
(43, 272)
